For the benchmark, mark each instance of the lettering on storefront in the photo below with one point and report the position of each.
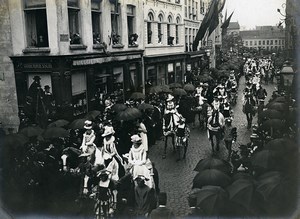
(37, 65)
(102, 60)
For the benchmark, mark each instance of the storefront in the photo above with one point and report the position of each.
(77, 81)
(164, 69)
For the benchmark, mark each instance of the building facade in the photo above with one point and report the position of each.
(82, 49)
(164, 41)
(269, 38)
(233, 28)
(291, 29)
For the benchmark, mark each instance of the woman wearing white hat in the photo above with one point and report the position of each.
(88, 137)
(138, 158)
(109, 152)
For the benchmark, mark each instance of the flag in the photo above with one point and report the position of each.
(204, 24)
(225, 16)
(226, 22)
(222, 5)
(214, 20)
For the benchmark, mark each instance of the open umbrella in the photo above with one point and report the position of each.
(212, 163)
(32, 131)
(155, 89)
(145, 106)
(278, 106)
(165, 88)
(175, 85)
(77, 124)
(279, 192)
(15, 140)
(266, 159)
(280, 99)
(282, 146)
(211, 177)
(189, 87)
(212, 200)
(179, 92)
(271, 114)
(204, 78)
(118, 107)
(92, 114)
(129, 114)
(58, 123)
(242, 192)
(272, 125)
(55, 132)
(137, 96)
(242, 175)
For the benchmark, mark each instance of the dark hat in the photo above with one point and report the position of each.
(36, 78)
(162, 198)
(47, 87)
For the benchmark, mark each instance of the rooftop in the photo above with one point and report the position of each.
(263, 33)
(233, 25)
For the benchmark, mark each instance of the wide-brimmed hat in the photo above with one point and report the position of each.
(205, 84)
(136, 139)
(108, 103)
(46, 87)
(142, 177)
(88, 124)
(170, 97)
(109, 130)
(36, 78)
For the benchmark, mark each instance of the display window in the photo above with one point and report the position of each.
(79, 93)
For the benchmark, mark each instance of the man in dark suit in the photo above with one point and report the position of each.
(162, 211)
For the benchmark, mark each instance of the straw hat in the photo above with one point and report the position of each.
(109, 130)
(136, 139)
(170, 97)
(88, 124)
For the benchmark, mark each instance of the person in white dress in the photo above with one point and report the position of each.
(142, 130)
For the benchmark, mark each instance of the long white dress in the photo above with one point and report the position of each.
(143, 134)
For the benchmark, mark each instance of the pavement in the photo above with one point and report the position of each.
(176, 177)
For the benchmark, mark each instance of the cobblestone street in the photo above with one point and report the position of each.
(176, 177)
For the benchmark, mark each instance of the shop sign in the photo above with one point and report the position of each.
(37, 65)
(102, 60)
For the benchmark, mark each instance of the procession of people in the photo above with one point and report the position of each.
(110, 148)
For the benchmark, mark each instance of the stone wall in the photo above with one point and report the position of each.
(8, 96)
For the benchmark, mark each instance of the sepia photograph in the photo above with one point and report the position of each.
(149, 109)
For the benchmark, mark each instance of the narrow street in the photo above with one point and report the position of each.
(176, 177)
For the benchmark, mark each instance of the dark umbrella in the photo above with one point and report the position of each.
(118, 107)
(32, 131)
(58, 123)
(211, 177)
(271, 114)
(165, 89)
(272, 125)
(266, 159)
(189, 87)
(282, 146)
(212, 200)
(145, 106)
(212, 163)
(55, 132)
(278, 106)
(77, 124)
(92, 115)
(204, 78)
(15, 140)
(175, 85)
(280, 100)
(129, 114)
(179, 92)
(137, 96)
(242, 175)
(271, 182)
(242, 192)
(155, 89)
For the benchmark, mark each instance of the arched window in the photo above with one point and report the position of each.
(170, 38)
(149, 27)
(177, 30)
(159, 28)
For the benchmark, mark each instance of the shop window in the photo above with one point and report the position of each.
(79, 94)
(151, 75)
(45, 80)
(149, 28)
(116, 24)
(96, 21)
(264, 42)
(73, 15)
(36, 23)
(159, 28)
(259, 42)
(178, 72)
(132, 35)
(171, 73)
(267, 42)
(275, 42)
(177, 30)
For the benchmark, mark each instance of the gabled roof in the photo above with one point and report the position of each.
(262, 34)
(234, 25)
